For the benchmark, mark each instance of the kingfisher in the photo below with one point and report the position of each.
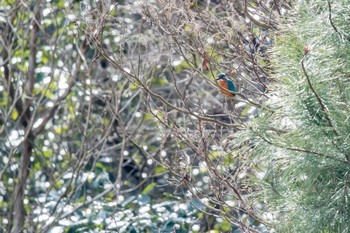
(226, 85)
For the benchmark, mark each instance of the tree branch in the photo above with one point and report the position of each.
(260, 24)
(50, 113)
(331, 21)
(319, 100)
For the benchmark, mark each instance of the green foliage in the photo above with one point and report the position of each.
(303, 145)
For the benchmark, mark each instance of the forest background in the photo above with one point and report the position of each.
(111, 119)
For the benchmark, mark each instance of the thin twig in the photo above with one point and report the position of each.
(300, 149)
(260, 24)
(331, 21)
(319, 100)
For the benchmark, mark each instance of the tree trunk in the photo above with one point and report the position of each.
(18, 211)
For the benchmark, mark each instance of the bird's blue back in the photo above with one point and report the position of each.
(230, 85)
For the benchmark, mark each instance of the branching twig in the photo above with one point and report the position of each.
(260, 24)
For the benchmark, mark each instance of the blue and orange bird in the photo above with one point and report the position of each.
(226, 85)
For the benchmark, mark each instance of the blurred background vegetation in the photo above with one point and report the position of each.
(111, 119)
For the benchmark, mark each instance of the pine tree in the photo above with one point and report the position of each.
(302, 145)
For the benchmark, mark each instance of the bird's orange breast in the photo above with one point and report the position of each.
(224, 88)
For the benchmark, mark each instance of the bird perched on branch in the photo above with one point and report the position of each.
(226, 85)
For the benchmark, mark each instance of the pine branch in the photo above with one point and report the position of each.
(319, 100)
(331, 21)
(303, 150)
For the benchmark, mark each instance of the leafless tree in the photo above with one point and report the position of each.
(182, 47)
